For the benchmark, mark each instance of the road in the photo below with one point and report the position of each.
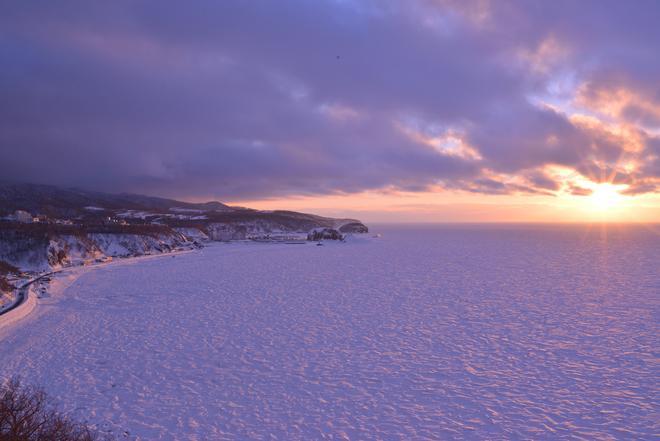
(23, 292)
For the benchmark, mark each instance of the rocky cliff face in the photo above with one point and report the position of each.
(325, 234)
(69, 227)
(196, 235)
(225, 231)
(38, 247)
(55, 251)
(354, 227)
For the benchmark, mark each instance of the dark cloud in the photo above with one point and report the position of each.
(239, 99)
(542, 181)
(641, 188)
(520, 137)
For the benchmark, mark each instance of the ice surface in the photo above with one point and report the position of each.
(446, 333)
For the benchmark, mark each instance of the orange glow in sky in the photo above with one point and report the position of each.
(606, 203)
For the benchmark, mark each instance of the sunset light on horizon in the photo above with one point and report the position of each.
(423, 111)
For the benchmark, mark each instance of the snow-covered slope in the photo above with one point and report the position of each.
(44, 254)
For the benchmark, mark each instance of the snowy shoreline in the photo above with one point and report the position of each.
(27, 300)
(423, 334)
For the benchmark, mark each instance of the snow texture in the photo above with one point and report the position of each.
(447, 333)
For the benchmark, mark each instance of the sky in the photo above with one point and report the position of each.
(402, 111)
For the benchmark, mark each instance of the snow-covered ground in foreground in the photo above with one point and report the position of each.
(496, 333)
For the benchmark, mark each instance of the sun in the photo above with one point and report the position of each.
(606, 197)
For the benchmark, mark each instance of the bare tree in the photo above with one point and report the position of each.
(26, 414)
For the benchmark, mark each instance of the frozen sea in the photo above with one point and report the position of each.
(444, 332)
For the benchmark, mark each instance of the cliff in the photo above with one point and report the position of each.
(41, 249)
(62, 227)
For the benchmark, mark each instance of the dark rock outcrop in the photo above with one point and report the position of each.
(324, 234)
(354, 227)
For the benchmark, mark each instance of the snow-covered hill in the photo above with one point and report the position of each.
(56, 201)
(58, 227)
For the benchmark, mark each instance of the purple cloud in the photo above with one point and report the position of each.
(241, 99)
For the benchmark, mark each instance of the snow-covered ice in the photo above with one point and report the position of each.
(436, 333)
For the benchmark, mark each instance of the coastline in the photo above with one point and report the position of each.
(240, 340)
(27, 303)
(28, 300)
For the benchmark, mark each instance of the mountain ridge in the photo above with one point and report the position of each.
(30, 197)
(70, 202)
